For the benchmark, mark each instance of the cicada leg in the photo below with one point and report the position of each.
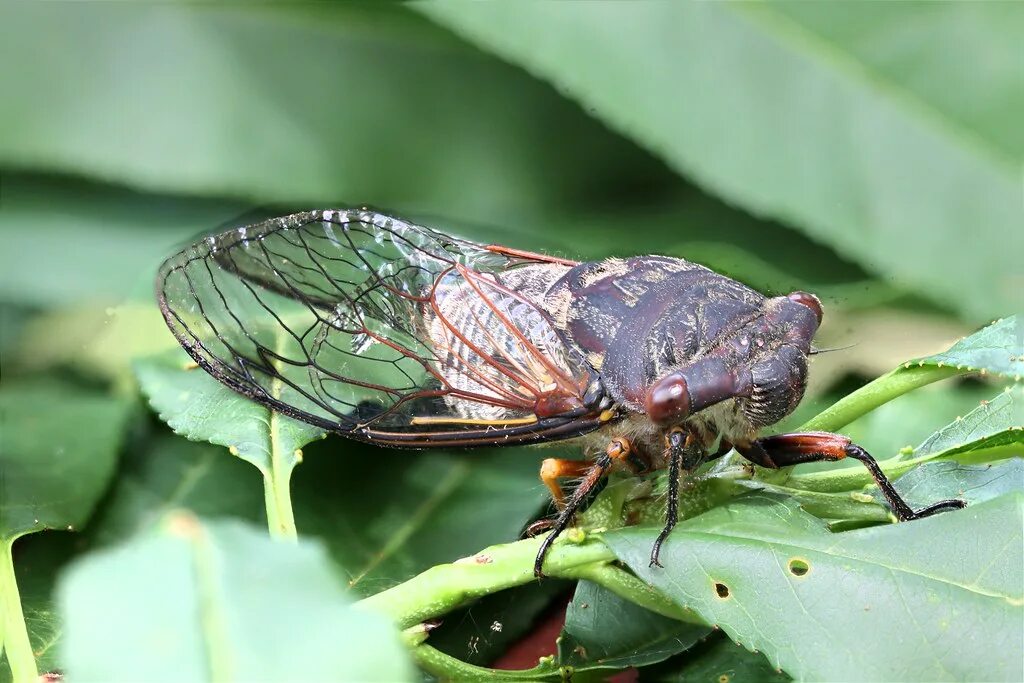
(677, 443)
(792, 449)
(553, 469)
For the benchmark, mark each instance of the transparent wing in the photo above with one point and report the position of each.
(383, 330)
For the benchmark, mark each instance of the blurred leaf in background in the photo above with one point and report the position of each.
(880, 132)
(232, 605)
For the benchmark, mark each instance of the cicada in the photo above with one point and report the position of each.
(400, 335)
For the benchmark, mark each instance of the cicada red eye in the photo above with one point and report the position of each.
(808, 300)
(668, 400)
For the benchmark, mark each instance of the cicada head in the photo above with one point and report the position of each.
(761, 361)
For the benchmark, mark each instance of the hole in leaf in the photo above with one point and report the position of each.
(722, 590)
(799, 567)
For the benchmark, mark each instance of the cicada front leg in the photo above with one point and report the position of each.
(679, 451)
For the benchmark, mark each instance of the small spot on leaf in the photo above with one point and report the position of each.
(799, 567)
(722, 590)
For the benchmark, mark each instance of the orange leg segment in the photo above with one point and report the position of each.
(553, 469)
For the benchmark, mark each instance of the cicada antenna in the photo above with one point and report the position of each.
(814, 352)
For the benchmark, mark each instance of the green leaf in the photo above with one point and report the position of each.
(301, 103)
(604, 631)
(717, 660)
(993, 424)
(58, 452)
(832, 505)
(904, 421)
(991, 431)
(997, 349)
(387, 515)
(38, 560)
(778, 109)
(169, 473)
(974, 483)
(897, 602)
(199, 407)
(81, 242)
(156, 476)
(57, 456)
(219, 602)
(504, 174)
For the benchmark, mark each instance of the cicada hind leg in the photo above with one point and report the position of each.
(552, 470)
(792, 449)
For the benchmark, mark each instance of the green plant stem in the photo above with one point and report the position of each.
(448, 668)
(839, 504)
(445, 587)
(14, 636)
(278, 499)
(875, 393)
(277, 482)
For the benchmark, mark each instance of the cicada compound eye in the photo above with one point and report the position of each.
(808, 300)
(668, 400)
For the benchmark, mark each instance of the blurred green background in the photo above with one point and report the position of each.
(868, 152)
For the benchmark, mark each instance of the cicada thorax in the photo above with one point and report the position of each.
(743, 355)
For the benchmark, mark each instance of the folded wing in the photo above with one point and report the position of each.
(382, 330)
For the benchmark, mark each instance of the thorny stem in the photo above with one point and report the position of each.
(13, 632)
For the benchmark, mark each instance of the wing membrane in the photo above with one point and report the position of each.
(381, 329)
